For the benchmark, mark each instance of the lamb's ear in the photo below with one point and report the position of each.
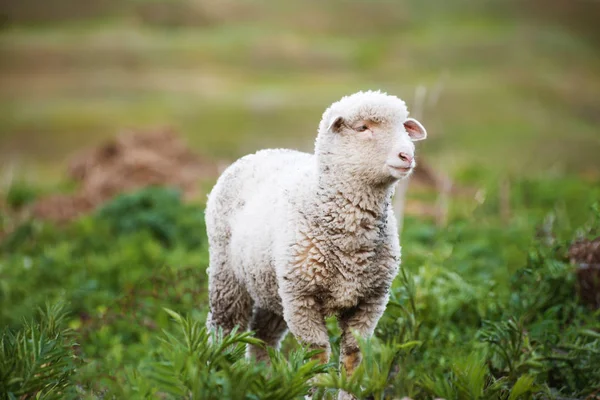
(414, 129)
(336, 124)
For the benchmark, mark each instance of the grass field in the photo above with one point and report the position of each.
(484, 308)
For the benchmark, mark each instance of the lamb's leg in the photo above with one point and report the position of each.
(230, 302)
(270, 328)
(360, 320)
(306, 322)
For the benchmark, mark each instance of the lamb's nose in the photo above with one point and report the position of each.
(406, 158)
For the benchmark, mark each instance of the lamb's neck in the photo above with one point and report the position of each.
(352, 197)
(349, 221)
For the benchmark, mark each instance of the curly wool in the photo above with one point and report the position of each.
(295, 237)
(373, 105)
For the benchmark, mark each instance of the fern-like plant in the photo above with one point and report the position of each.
(37, 360)
(195, 363)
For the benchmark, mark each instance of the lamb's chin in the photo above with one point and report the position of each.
(399, 173)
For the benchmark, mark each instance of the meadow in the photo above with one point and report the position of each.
(487, 304)
(113, 306)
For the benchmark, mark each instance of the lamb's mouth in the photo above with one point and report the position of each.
(404, 170)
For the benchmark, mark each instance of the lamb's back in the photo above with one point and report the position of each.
(250, 181)
(252, 205)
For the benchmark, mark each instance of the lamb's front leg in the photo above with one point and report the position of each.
(360, 320)
(304, 319)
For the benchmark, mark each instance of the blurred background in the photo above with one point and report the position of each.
(512, 87)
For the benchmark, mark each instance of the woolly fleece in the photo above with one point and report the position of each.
(295, 237)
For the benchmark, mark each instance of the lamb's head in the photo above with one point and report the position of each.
(368, 136)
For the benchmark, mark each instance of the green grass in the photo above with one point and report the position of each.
(484, 308)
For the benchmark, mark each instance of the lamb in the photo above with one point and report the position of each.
(295, 237)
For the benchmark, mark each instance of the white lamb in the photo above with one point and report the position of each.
(296, 237)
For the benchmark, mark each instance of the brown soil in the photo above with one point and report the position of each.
(130, 161)
(586, 255)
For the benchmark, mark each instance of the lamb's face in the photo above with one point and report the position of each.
(374, 150)
(368, 136)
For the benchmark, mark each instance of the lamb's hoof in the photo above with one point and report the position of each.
(310, 394)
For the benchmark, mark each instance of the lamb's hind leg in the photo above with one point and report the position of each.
(230, 302)
(270, 328)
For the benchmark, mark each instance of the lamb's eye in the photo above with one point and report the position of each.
(362, 128)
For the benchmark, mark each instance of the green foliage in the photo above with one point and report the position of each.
(194, 363)
(37, 359)
(510, 347)
(378, 375)
(19, 194)
(482, 309)
(158, 211)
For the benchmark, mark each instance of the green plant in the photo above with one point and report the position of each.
(37, 360)
(199, 364)
(158, 211)
(20, 193)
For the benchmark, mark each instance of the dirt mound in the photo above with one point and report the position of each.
(585, 254)
(130, 161)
